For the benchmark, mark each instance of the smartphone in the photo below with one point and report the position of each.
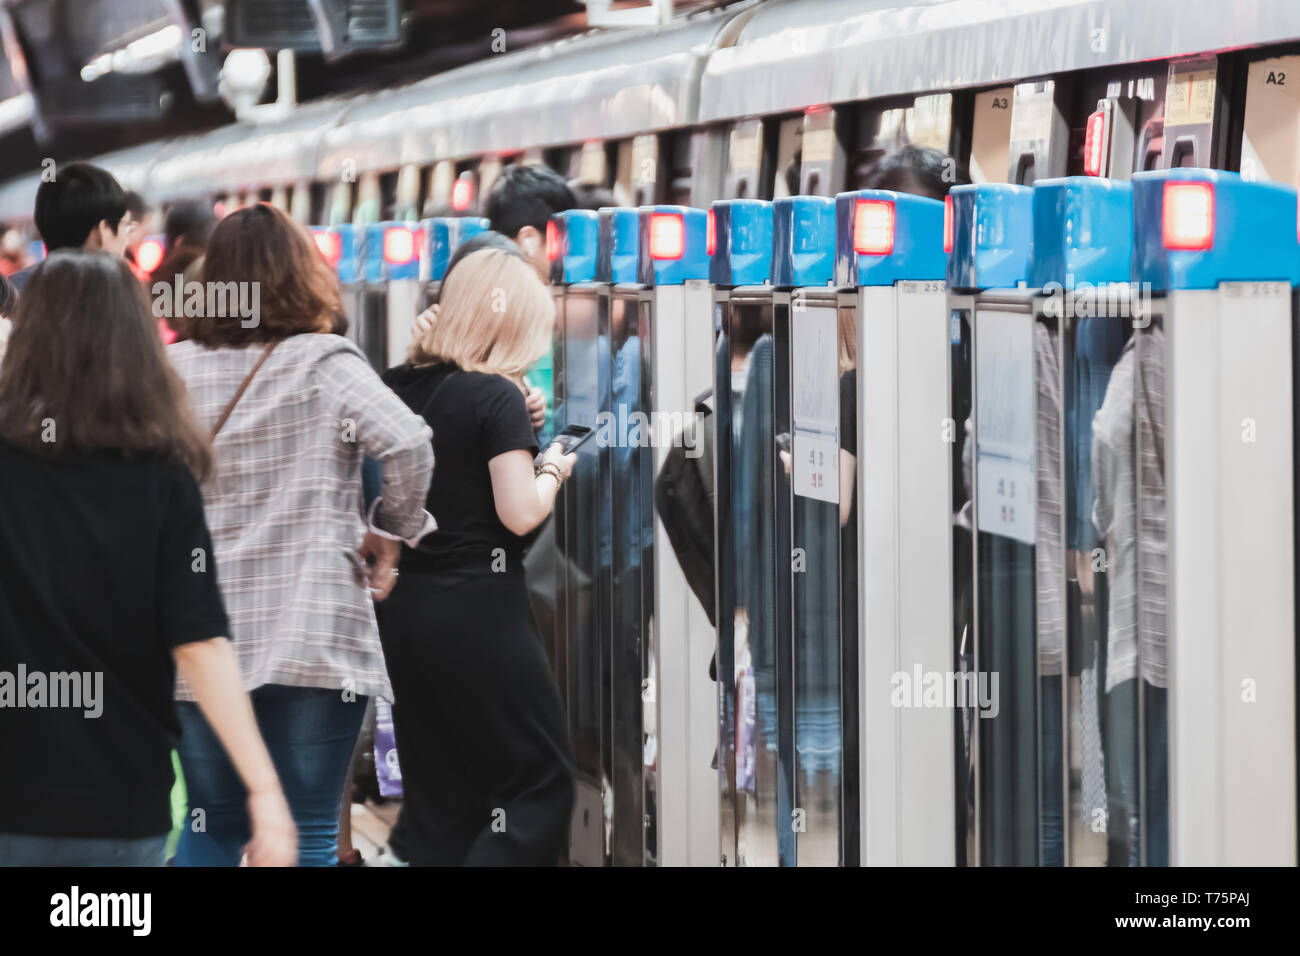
(572, 436)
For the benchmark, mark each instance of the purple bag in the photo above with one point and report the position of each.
(387, 770)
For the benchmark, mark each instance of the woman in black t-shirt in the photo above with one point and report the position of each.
(486, 769)
(107, 583)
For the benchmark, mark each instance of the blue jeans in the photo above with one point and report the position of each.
(19, 849)
(310, 734)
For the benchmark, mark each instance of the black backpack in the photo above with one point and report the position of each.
(684, 499)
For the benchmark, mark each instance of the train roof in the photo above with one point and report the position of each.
(794, 53)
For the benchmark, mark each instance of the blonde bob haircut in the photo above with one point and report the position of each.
(494, 316)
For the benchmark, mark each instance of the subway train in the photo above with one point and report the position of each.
(1003, 543)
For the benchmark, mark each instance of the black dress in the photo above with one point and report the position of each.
(485, 759)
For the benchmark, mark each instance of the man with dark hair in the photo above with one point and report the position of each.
(919, 170)
(82, 207)
(522, 201)
(187, 229)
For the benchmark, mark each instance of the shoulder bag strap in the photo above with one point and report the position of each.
(239, 392)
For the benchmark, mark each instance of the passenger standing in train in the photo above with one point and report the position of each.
(486, 765)
(104, 586)
(292, 410)
(82, 207)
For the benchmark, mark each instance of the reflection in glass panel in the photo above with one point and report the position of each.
(577, 384)
(1129, 513)
(754, 626)
(814, 578)
(850, 826)
(643, 528)
(1153, 596)
(631, 516)
(1092, 348)
(1006, 598)
(959, 367)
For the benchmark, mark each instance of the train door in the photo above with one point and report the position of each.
(1213, 649)
(572, 623)
(810, 349)
(890, 253)
(740, 272)
(992, 319)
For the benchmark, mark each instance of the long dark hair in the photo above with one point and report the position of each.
(85, 367)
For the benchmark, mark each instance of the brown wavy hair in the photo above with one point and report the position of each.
(85, 367)
(297, 290)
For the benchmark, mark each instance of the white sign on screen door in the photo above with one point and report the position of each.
(1004, 424)
(815, 401)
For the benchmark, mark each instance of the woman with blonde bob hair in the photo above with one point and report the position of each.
(477, 713)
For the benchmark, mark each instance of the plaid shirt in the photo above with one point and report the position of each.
(284, 504)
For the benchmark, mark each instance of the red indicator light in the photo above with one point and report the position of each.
(667, 235)
(462, 194)
(947, 224)
(711, 233)
(149, 255)
(552, 240)
(1094, 144)
(873, 227)
(399, 245)
(330, 246)
(1188, 221)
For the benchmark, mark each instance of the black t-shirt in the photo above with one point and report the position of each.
(474, 417)
(106, 565)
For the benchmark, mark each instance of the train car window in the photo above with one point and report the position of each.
(680, 172)
(318, 202)
(875, 129)
(564, 160)
(929, 121)
(388, 195)
(1136, 95)
(788, 161)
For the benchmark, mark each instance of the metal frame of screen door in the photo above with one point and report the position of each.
(681, 642)
(905, 494)
(1231, 539)
(817, 842)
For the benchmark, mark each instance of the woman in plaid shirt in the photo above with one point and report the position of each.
(297, 561)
